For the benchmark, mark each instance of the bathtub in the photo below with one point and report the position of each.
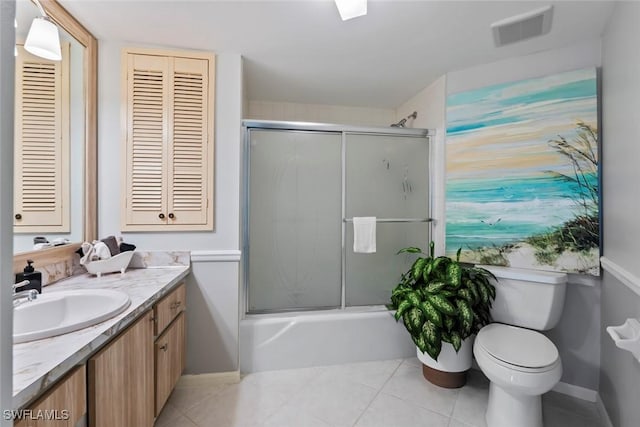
(316, 338)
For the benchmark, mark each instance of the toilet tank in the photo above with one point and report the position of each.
(529, 298)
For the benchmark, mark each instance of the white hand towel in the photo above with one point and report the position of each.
(102, 250)
(87, 250)
(364, 235)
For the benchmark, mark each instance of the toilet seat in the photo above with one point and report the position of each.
(517, 348)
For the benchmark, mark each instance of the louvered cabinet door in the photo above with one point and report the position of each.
(41, 159)
(147, 115)
(188, 148)
(168, 111)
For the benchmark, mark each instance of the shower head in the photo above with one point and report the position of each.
(402, 122)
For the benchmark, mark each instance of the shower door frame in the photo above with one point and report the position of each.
(343, 131)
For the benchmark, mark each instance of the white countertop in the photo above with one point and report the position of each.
(38, 364)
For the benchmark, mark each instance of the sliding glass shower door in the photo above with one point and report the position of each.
(304, 187)
(294, 220)
(387, 176)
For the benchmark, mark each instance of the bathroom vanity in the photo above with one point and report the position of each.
(118, 372)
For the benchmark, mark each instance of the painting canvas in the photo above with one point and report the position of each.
(522, 174)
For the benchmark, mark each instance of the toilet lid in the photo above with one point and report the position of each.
(517, 346)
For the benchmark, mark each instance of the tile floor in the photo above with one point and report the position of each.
(389, 393)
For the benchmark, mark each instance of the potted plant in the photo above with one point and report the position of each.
(443, 304)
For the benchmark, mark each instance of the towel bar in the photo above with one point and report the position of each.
(395, 220)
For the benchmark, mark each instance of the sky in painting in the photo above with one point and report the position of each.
(504, 130)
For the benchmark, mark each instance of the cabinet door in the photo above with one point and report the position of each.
(147, 125)
(168, 110)
(121, 379)
(41, 187)
(189, 143)
(66, 401)
(169, 307)
(170, 360)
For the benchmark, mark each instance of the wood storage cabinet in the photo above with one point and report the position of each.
(167, 117)
(65, 404)
(170, 344)
(121, 379)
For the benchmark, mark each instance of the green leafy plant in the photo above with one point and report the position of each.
(441, 299)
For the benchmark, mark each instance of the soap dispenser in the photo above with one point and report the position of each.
(34, 278)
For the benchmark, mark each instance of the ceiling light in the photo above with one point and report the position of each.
(351, 8)
(43, 39)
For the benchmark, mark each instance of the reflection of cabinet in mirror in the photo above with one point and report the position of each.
(41, 174)
(82, 166)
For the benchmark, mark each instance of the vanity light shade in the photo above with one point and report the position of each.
(43, 39)
(351, 8)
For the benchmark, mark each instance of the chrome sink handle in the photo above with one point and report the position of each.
(20, 297)
(19, 285)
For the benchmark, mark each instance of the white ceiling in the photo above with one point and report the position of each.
(300, 50)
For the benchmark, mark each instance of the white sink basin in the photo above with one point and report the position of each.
(61, 312)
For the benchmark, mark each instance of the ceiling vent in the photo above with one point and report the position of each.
(522, 27)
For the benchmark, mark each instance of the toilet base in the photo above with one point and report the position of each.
(507, 409)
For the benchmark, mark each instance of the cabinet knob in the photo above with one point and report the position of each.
(18, 216)
(161, 216)
(171, 215)
(153, 319)
(164, 347)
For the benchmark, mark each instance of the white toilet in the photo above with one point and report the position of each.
(521, 363)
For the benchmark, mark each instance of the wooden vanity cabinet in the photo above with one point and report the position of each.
(128, 381)
(121, 379)
(66, 402)
(169, 345)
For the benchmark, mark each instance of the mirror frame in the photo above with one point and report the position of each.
(70, 24)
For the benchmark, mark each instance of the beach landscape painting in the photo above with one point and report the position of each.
(522, 185)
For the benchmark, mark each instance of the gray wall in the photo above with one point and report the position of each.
(7, 72)
(212, 289)
(577, 334)
(620, 372)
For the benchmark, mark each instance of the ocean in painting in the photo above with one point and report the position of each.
(483, 213)
(522, 163)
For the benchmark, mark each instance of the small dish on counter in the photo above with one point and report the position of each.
(114, 264)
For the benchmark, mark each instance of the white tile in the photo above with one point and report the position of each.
(168, 415)
(292, 416)
(571, 404)
(556, 417)
(182, 421)
(184, 398)
(372, 374)
(456, 423)
(471, 404)
(388, 410)
(339, 404)
(408, 383)
(413, 361)
(238, 405)
(288, 380)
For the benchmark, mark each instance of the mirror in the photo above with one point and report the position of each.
(74, 185)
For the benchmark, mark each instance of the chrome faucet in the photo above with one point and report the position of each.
(20, 297)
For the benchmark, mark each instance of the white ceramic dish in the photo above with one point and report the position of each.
(114, 264)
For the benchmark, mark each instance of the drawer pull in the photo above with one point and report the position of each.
(175, 305)
(153, 319)
(164, 347)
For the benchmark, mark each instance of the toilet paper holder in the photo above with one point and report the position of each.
(627, 336)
